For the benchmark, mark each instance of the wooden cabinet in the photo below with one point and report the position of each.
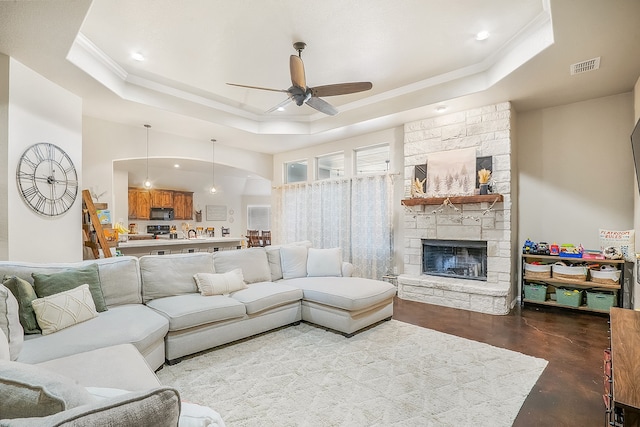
(161, 198)
(139, 203)
(183, 205)
(621, 367)
(556, 283)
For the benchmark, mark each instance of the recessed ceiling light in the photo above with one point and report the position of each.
(137, 56)
(482, 35)
(441, 108)
(176, 165)
(280, 109)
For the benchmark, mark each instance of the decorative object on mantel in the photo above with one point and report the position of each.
(417, 188)
(451, 173)
(483, 178)
(448, 202)
(198, 215)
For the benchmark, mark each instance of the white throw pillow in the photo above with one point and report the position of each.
(220, 284)
(324, 262)
(10, 321)
(68, 308)
(294, 261)
(191, 415)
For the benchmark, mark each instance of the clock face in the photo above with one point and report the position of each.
(47, 179)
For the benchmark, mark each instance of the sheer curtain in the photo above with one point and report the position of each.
(353, 214)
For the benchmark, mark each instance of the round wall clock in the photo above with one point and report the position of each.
(47, 179)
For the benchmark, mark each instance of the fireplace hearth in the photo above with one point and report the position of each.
(466, 259)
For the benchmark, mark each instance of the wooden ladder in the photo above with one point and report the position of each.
(89, 220)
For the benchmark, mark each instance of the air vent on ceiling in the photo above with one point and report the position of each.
(584, 66)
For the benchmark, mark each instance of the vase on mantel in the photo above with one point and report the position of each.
(484, 188)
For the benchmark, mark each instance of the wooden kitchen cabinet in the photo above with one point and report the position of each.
(183, 205)
(139, 203)
(161, 198)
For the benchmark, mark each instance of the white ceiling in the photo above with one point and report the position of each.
(418, 54)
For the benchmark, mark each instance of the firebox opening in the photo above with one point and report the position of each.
(465, 259)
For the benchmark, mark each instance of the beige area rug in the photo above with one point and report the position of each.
(394, 374)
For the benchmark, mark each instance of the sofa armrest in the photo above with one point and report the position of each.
(347, 269)
(157, 407)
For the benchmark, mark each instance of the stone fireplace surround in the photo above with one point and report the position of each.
(488, 129)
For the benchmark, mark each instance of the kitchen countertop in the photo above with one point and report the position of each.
(169, 242)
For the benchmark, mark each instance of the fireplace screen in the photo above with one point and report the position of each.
(455, 258)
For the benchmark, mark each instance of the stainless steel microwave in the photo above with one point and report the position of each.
(162, 214)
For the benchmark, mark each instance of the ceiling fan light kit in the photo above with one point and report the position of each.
(301, 94)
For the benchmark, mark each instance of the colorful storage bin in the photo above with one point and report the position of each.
(535, 292)
(600, 300)
(569, 297)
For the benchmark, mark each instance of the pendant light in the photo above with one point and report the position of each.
(213, 167)
(147, 183)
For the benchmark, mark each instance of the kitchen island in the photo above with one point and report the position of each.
(163, 246)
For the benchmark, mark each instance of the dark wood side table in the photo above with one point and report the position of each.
(625, 366)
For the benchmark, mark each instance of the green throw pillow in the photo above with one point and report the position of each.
(54, 283)
(24, 293)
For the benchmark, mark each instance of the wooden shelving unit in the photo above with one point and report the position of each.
(568, 283)
(91, 227)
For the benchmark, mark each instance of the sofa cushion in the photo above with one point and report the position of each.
(158, 407)
(294, 261)
(32, 391)
(24, 293)
(119, 276)
(265, 295)
(324, 262)
(68, 308)
(170, 275)
(10, 322)
(347, 293)
(186, 311)
(53, 283)
(219, 283)
(191, 414)
(131, 323)
(275, 266)
(4, 347)
(253, 263)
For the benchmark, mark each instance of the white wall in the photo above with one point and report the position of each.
(636, 196)
(40, 111)
(575, 171)
(4, 151)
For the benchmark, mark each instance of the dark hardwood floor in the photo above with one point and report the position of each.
(569, 391)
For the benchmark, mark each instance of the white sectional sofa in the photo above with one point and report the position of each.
(154, 302)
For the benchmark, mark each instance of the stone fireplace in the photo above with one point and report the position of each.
(475, 267)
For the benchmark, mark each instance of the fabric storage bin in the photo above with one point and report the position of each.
(570, 297)
(535, 291)
(610, 276)
(537, 271)
(569, 272)
(600, 300)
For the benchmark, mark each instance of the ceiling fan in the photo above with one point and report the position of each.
(300, 93)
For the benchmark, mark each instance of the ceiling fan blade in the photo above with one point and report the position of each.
(296, 67)
(258, 87)
(282, 104)
(322, 106)
(340, 88)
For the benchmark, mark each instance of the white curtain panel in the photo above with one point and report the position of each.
(353, 214)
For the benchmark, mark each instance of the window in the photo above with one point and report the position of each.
(373, 159)
(295, 171)
(330, 166)
(259, 217)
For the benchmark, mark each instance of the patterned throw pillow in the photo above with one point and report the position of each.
(24, 293)
(64, 309)
(220, 284)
